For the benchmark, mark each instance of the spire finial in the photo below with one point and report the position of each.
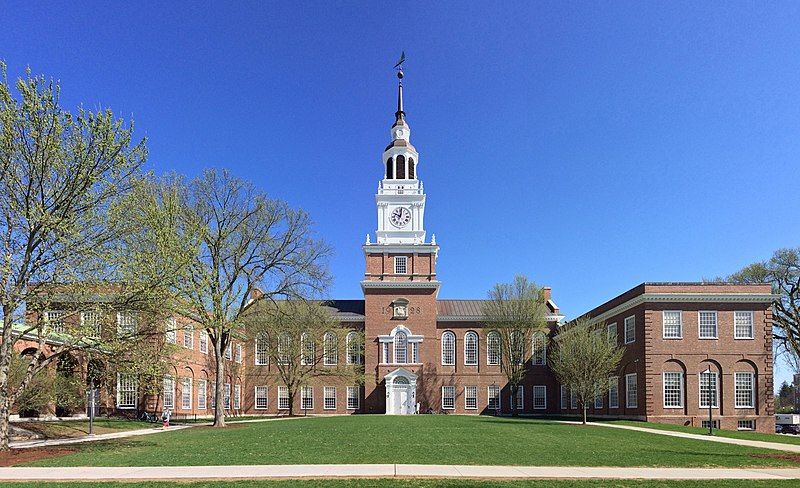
(399, 67)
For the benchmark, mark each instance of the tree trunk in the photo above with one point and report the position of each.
(4, 413)
(291, 402)
(514, 409)
(6, 350)
(219, 394)
(584, 413)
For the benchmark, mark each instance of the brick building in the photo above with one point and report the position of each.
(686, 343)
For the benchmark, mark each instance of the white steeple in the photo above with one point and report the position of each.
(400, 198)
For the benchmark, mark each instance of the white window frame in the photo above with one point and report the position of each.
(415, 353)
(664, 393)
(126, 323)
(329, 394)
(171, 334)
(261, 350)
(540, 393)
(703, 374)
(238, 354)
(203, 341)
(168, 401)
(751, 315)
(739, 425)
(308, 350)
(493, 348)
(398, 266)
(306, 398)
(400, 348)
(186, 393)
(564, 397)
(237, 396)
(598, 398)
(611, 333)
(88, 316)
(330, 349)
(353, 393)
(55, 320)
(700, 324)
(261, 397)
(573, 399)
(630, 337)
(213, 395)
(229, 351)
(127, 391)
(202, 394)
(353, 354)
(664, 324)
(448, 350)
(519, 402)
(471, 353)
(188, 336)
(283, 398)
(494, 397)
(613, 392)
(539, 349)
(448, 397)
(752, 389)
(631, 401)
(226, 397)
(470, 397)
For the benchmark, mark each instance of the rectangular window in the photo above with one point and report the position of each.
(283, 398)
(746, 425)
(54, 319)
(539, 397)
(573, 399)
(261, 398)
(519, 403)
(126, 323)
(90, 323)
(471, 397)
(673, 327)
(707, 324)
(448, 397)
(261, 351)
(743, 325)
(744, 390)
(201, 394)
(630, 329)
(228, 351)
(352, 398)
(613, 392)
(539, 349)
(704, 424)
(186, 394)
(631, 391)
(204, 342)
(385, 353)
(213, 395)
(494, 397)
(126, 391)
(611, 333)
(238, 356)
(493, 348)
(673, 390)
(329, 398)
(307, 398)
(237, 397)
(598, 398)
(170, 332)
(226, 396)
(169, 392)
(415, 352)
(708, 389)
(400, 265)
(188, 337)
(564, 397)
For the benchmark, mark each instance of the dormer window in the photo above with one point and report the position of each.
(400, 309)
(400, 264)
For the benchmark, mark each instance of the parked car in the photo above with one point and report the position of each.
(788, 429)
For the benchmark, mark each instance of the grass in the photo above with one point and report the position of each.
(734, 434)
(428, 483)
(78, 428)
(422, 439)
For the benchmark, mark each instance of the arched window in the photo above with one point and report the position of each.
(493, 348)
(539, 349)
(401, 167)
(400, 380)
(306, 349)
(262, 349)
(353, 349)
(471, 349)
(411, 169)
(389, 169)
(331, 349)
(448, 349)
(517, 347)
(400, 348)
(284, 343)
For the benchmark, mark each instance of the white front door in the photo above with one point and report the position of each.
(402, 397)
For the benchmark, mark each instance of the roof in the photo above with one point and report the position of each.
(352, 310)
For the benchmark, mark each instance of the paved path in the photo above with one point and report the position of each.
(778, 446)
(172, 473)
(98, 437)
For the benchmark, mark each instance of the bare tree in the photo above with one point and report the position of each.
(61, 176)
(516, 312)
(583, 358)
(237, 248)
(305, 343)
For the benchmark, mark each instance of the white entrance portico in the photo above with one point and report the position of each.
(401, 392)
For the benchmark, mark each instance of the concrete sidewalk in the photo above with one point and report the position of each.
(98, 437)
(777, 446)
(173, 473)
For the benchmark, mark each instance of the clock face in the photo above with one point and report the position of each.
(400, 217)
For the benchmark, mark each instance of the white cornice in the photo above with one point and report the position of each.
(551, 317)
(686, 298)
(400, 248)
(399, 284)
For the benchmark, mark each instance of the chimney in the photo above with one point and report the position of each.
(255, 294)
(547, 292)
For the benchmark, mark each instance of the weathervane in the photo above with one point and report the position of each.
(399, 65)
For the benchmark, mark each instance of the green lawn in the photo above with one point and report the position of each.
(423, 439)
(428, 483)
(735, 434)
(79, 428)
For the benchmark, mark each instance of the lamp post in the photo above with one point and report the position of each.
(710, 401)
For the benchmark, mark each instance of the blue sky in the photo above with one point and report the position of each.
(590, 146)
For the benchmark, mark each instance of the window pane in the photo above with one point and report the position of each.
(471, 397)
(673, 390)
(708, 325)
(539, 397)
(471, 348)
(744, 390)
(743, 325)
(672, 325)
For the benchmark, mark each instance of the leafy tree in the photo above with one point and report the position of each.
(236, 247)
(515, 311)
(583, 358)
(305, 343)
(61, 176)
